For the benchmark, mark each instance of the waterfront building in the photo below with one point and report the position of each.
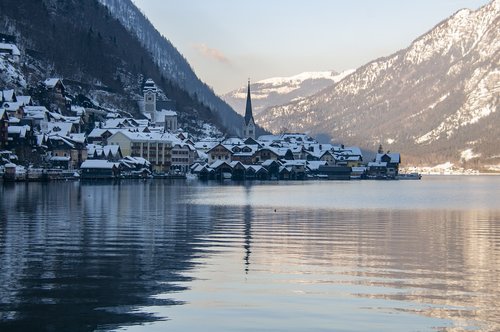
(154, 147)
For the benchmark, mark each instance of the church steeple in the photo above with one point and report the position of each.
(249, 125)
(248, 109)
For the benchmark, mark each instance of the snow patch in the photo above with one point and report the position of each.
(468, 154)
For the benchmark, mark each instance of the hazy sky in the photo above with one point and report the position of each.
(227, 41)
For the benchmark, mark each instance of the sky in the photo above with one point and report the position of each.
(228, 41)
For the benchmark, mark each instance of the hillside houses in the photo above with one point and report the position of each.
(118, 145)
(48, 136)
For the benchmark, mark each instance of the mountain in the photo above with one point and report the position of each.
(435, 101)
(106, 59)
(282, 90)
(171, 63)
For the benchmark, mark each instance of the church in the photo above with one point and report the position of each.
(249, 124)
(159, 112)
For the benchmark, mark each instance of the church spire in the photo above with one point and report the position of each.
(248, 110)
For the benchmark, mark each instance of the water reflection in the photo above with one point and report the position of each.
(79, 257)
(86, 257)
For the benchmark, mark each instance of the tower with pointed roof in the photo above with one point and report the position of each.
(150, 99)
(249, 125)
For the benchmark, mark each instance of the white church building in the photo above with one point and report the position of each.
(159, 113)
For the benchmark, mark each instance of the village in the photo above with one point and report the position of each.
(59, 140)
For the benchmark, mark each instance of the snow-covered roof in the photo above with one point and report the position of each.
(65, 140)
(199, 168)
(79, 110)
(61, 128)
(314, 165)
(11, 48)
(25, 100)
(269, 138)
(166, 113)
(233, 141)
(79, 138)
(395, 157)
(353, 150)
(136, 160)
(8, 95)
(137, 136)
(96, 163)
(52, 82)
(97, 132)
(57, 158)
(18, 130)
(294, 163)
(268, 162)
(205, 145)
(218, 163)
(35, 112)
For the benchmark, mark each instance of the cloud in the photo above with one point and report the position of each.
(211, 53)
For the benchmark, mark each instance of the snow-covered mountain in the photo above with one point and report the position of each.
(282, 90)
(437, 100)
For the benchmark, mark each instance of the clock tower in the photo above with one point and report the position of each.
(150, 99)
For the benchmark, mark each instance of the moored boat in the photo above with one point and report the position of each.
(409, 176)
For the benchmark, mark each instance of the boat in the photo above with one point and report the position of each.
(409, 176)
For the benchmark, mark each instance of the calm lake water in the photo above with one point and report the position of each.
(289, 256)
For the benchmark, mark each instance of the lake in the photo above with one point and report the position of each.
(289, 256)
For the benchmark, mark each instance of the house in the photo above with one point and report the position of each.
(220, 152)
(14, 109)
(10, 50)
(99, 169)
(55, 85)
(244, 153)
(100, 136)
(19, 136)
(265, 154)
(166, 119)
(335, 172)
(392, 160)
(238, 171)
(107, 152)
(65, 152)
(4, 128)
(154, 147)
(183, 156)
(377, 169)
(256, 172)
(222, 170)
(273, 168)
(134, 164)
(297, 168)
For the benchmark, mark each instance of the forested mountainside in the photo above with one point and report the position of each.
(282, 90)
(435, 101)
(170, 62)
(99, 58)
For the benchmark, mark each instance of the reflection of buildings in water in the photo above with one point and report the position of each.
(247, 219)
(103, 237)
(247, 215)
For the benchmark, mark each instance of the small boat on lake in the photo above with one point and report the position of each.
(409, 176)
